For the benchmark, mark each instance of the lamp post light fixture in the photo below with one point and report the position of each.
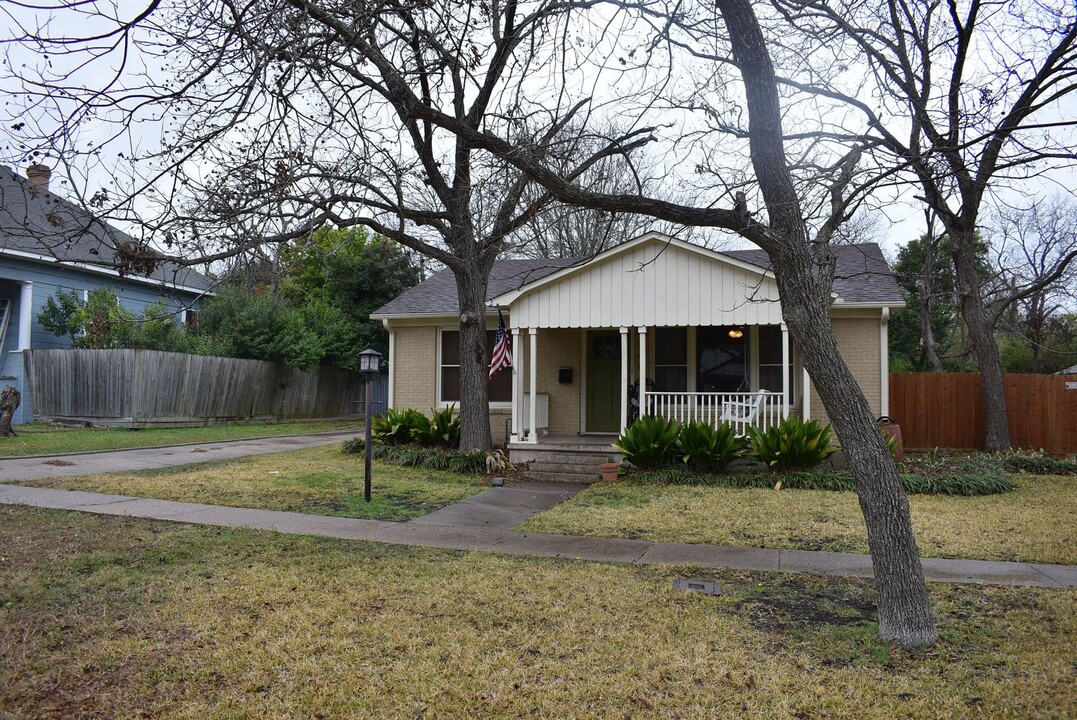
(369, 364)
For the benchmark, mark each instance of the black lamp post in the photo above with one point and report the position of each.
(369, 363)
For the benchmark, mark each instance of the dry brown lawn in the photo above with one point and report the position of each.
(105, 617)
(322, 480)
(1035, 523)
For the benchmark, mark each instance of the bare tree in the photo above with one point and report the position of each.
(420, 72)
(962, 97)
(789, 185)
(1036, 250)
(279, 117)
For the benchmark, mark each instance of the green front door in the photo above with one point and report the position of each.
(604, 381)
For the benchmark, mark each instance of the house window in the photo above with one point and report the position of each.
(499, 389)
(190, 318)
(723, 359)
(770, 361)
(671, 359)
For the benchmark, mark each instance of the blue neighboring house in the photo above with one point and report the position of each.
(49, 244)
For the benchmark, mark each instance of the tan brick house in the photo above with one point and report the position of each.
(705, 326)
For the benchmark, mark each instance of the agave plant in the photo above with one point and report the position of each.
(702, 446)
(791, 444)
(649, 442)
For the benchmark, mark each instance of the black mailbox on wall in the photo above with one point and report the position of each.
(564, 376)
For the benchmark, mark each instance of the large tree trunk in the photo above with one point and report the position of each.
(9, 403)
(905, 613)
(471, 285)
(981, 337)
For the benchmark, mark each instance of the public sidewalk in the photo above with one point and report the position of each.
(484, 523)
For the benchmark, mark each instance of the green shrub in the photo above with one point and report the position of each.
(441, 429)
(469, 463)
(983, 482)
(649, 442)
(705, 447)
(395, 427)
(1038, 464)
(791, 444)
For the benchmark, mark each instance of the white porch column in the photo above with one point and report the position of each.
(533, 382)
(26, 313)
(785, 371)
(624, 378)
(884, 362)
(517, 378)
(805, 413)
(642, 370)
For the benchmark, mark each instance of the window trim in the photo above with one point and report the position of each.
(441, 404)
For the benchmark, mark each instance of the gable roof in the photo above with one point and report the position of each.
(862, 277)
(437, 294)
(40, 226)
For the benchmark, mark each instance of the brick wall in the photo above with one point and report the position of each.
(556, 349)
(414, 368)
(858, 341)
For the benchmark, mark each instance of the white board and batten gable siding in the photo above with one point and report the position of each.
(651, 284)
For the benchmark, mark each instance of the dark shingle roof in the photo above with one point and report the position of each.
(862, 276)
(437, 294)
(861, 273)
(35, 221)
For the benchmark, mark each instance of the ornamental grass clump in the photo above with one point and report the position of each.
(649, 442)
(792, 444)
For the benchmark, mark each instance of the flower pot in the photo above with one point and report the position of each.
(609, 471)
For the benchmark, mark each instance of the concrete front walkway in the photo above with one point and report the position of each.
(485, 523)
(109, 461)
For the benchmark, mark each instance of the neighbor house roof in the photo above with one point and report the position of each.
(862, 277)
(38, 225)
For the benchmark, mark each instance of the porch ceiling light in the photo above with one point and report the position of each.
(736, 333)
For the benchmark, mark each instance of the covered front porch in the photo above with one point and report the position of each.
(587, 382)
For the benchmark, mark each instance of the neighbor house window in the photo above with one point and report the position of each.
(671, 359)
(500, 388)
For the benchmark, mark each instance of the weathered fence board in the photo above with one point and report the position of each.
(144, 388)
(946, 410)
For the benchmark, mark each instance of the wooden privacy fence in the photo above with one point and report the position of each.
(946, 410)
(147, 388)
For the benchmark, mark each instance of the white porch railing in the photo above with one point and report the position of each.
(740, 409)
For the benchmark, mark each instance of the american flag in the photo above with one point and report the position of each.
(502, 355)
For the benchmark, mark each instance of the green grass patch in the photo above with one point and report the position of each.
(118, 617)
(321, 480)
(37, 439)
(1033, 523)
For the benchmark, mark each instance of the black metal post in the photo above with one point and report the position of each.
(369, 455)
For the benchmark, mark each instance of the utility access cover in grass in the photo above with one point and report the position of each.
(704, 587)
